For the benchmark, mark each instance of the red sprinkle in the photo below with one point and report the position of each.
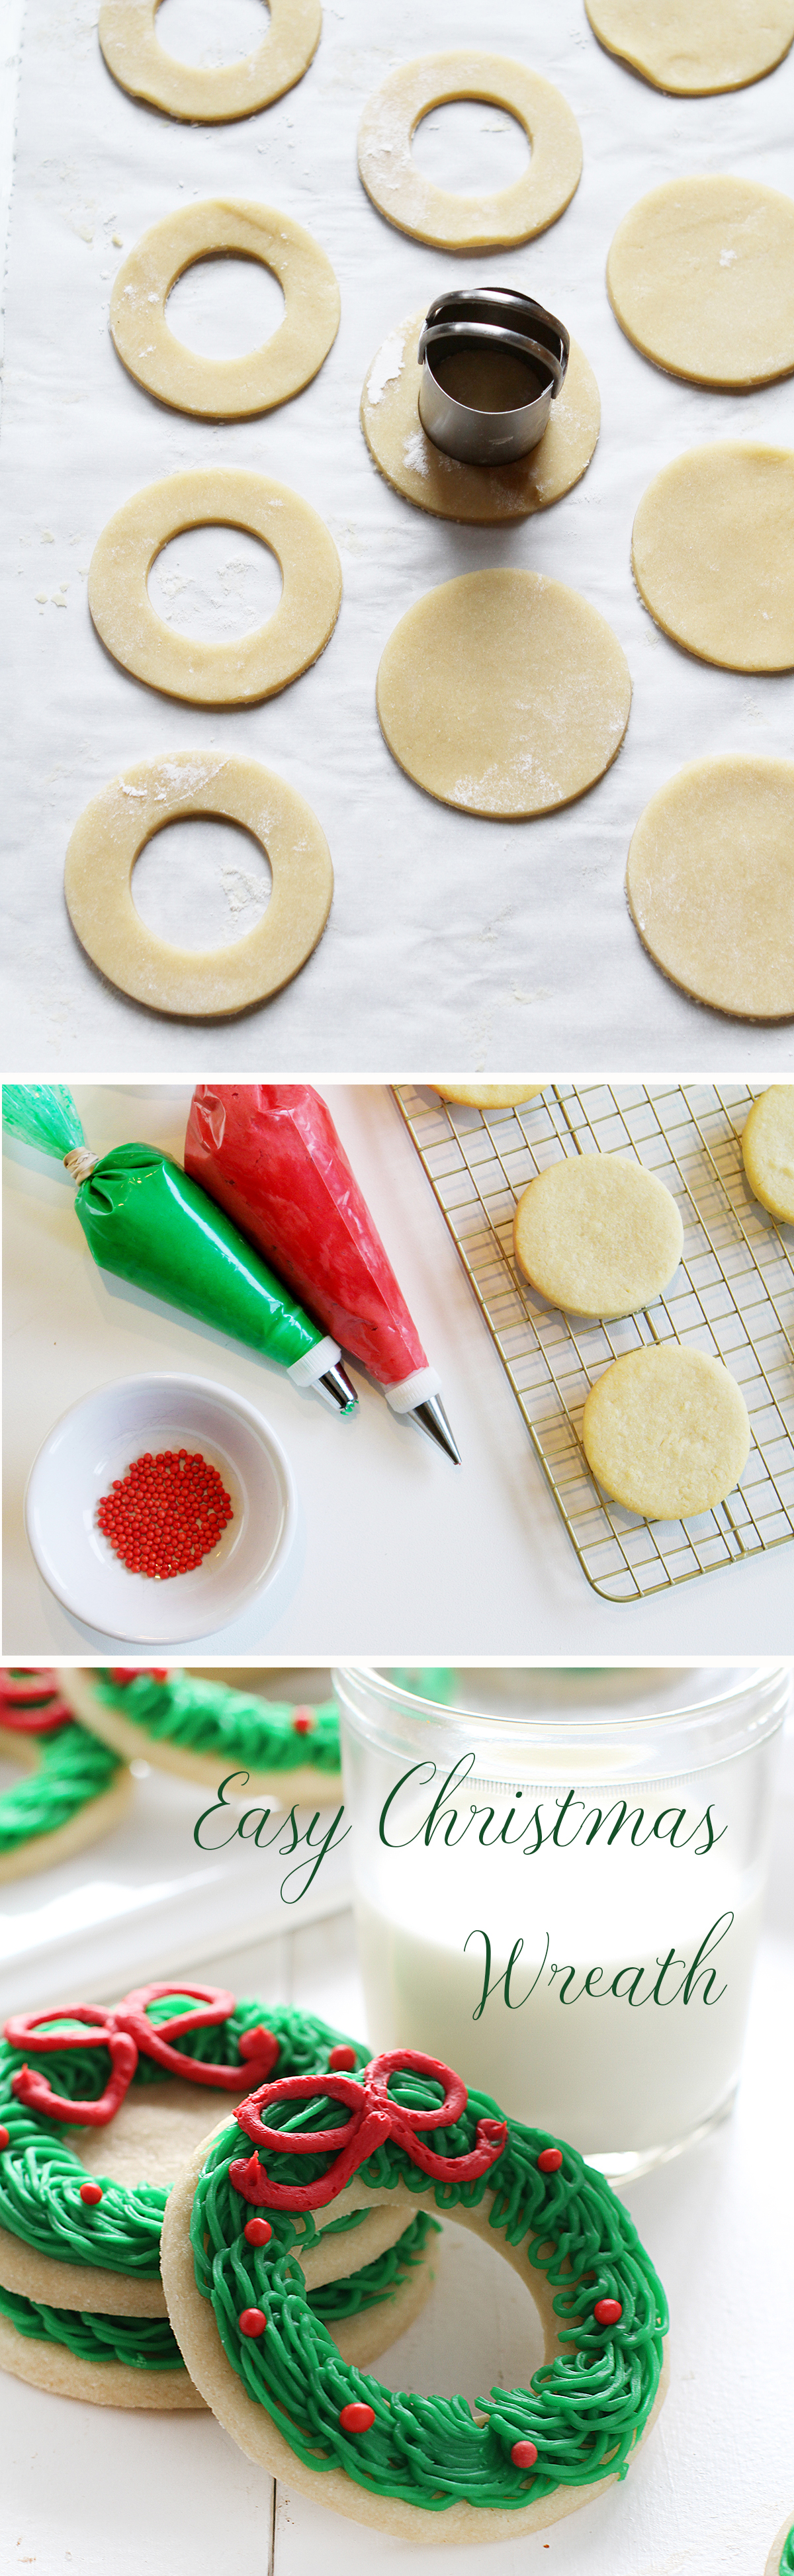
(90, 2192)
(303, 1721)
(258, 2232)
(550, 2160)
(164, 1516)
(524, 2455)
(340, 2058)
(5, 2138)
(607, 2312)
(357, 2418)
(252, 2322)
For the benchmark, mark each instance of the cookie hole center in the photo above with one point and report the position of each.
(470, 147)
(225, 307)
(202, 883)
(209, 33)
(215, 583)
(479, 2330)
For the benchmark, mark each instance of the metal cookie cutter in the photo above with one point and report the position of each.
(492, 362)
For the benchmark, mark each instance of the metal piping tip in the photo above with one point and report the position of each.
(335, 1386)
(432, 1419)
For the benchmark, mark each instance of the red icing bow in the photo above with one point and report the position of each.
(374, 2118)
(30, 1702)
(127, 2034)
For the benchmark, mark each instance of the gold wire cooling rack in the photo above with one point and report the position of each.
(733, 1295)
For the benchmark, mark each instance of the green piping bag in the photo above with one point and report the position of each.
(144, 1219)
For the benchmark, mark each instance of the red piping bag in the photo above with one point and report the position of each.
(269, 1154)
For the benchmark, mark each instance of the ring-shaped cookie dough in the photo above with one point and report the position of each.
(666, 1431)
(114, 829)
(477, 222)
(482, 495)
(72, 1790)
(140, 64)
(254, 666)
(425, 2469)
(699, 276)
(710, 883)
(224, 388)
(524, 696)
(768, 1150)
(735, 608)
(201, 1726)
(693, 48)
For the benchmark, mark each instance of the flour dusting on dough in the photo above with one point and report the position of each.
(386, 366)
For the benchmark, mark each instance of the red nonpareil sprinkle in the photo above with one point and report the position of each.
(340, 2059)
(90, 2192)
(5, 2138)
(303, 1721)
(258, 2231)
(165, 1514)
(550, 2160)
(607, 2312)
(252, 2322)
(524, 2455)
(357, 2418)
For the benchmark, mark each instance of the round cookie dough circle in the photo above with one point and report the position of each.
(666, 1432)
(768, 1150)
(480, 495)
(504, 694)
(224, 388)
(598, 1235)
(109, 837)
(713, 553)
(701, 277)
(477, 222)
(254, 666)
(140, 64)
(710, 883)
(695, 47)
(492, 1095)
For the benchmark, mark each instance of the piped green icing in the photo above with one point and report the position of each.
(41, 2173)
(584, 2411)
(787, 2559)
(208, 1717)
(72, 1767)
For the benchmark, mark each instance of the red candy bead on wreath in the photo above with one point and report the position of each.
(607, 2312)
(550, 2160)
(127, 2034)
(258, 2231)
(374, 2118)
(303, 1721)
(341, 2060)
(90, 2192)
(524, 2455)
(5, 2137)
(357, 2418)
(31, 1703)
(252, 2322)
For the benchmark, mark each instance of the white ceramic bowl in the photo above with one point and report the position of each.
(97, 1440)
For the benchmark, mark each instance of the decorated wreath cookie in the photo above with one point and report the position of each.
(184, 1722)
(781, 2556)
(74, 1788)
(98, 2109)
(423, 2468)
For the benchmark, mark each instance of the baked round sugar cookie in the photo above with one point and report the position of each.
(666, 1431)
(713, 553)
(695, 47)
(701, 277)
(768, 1150)
(504, 694)
(479, 495)
(447, 219)
(598, 1235)
(710, 883)
(202, 1726)
(224, 388)
(492, 1095)
(72, 1789)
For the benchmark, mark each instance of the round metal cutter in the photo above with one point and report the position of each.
(492, 362)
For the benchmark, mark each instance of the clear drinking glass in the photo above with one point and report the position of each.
(558, 1882)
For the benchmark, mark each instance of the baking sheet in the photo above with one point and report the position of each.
(450, 938)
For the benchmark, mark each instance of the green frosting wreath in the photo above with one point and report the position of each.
(72, 1768)
(209, 1717)
(581, 2414)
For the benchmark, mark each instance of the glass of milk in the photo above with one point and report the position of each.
(558, 1881)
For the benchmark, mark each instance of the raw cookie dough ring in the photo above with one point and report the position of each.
(598, 1235)
(199, 1727)
(781, 2556)
(114, 829)
(255, 665)
(75, 1790)
(699, 278)
(524, 700)
(768, 1150)
(695, 48)
(399, 2466)
(480, 495)
(666, 1432)
(710, 883)
(196, 96)
(684, 553)
(224, 388)
(472, 222)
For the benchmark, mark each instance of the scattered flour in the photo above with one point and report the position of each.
(386, 366)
